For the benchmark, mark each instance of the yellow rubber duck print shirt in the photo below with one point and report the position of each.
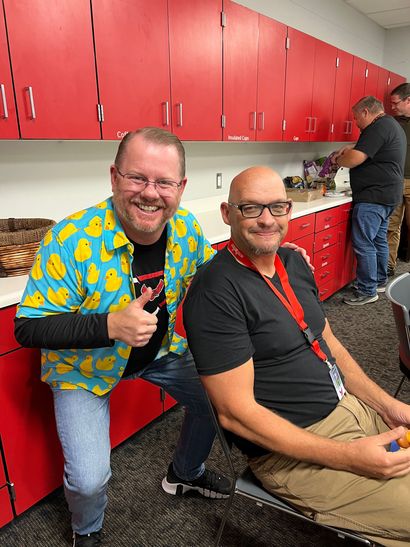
(83, 266)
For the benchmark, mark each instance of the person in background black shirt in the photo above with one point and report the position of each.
(376, 165)
(400, 105)
(321, 449)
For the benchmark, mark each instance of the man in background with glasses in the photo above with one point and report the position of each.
(101, 302)
(400, 105)
(315, 429)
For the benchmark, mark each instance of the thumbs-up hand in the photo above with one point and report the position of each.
(133, 325)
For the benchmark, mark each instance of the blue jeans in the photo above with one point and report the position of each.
(83, 421)
(369, 238)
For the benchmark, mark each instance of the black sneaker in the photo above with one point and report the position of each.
(88, 540)
(209, 484)
(359, 299)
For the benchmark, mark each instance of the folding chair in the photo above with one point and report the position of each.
(398, 292)
(247, 485)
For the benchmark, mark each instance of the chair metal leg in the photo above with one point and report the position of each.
(400, 385)
(224, 518)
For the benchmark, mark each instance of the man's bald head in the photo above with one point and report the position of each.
(257, 177)
(255, 234)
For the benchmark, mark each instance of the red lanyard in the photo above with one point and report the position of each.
(291, 302)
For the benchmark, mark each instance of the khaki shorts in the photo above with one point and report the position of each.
(380, 509)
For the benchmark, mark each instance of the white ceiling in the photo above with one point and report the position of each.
(387, 14)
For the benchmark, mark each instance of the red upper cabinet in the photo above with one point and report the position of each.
(52, 58)
(310, 80)
(371, 79)
(341, 105)
(394, 81)
(271, 79)
(8, 116)
(299, 85)
(195, 39)
(131, 43)
(240, 58)
(356, 93)
(382, 84)
(323, 91)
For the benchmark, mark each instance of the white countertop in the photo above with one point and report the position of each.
(209, 217)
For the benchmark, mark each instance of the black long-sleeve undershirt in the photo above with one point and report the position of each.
(63, 331)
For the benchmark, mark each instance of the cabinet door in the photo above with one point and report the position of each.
(195, 39)
(240, 62)
(131, 43)
(323, 91)
(299, 85)
(271, 79)
(52, 57)
(6, 511)
(7, 340)
(394, 81)
(168, 401)
(356, 93)
(371, 79)
(341, 106)
(133, 405)
(32, 449)
(8, 116)
(382, 84)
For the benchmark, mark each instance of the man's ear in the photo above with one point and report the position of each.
(225, 212)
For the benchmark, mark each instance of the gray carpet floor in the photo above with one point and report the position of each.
(140, 514)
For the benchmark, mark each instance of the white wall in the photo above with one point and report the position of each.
(332, 21)
(52, 178)
(397, 51)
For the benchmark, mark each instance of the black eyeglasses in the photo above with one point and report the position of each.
(254, 210)
(393, 103)
(140, 182)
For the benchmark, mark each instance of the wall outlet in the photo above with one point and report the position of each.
(218, 181)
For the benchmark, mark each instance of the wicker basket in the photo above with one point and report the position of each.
(19, 241)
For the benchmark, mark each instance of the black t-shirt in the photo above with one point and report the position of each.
(379, 179)
(148, 271)
(404, 121)
(231, 315)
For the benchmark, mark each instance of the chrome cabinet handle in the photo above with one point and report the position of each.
(31, 99)
(180, 119)
(313, 130)
(165, 118)
(261, 121)
(253, 122)
(4, 101)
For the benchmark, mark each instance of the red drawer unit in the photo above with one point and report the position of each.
(345, 212)
(302, 226)
(325, 256)
(326, 290)
(307, 243)
(325, 274)
(326, 219)
(326, 238)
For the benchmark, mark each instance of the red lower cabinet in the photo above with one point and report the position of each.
(326, 238)
(31, 446)
(6, 511)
